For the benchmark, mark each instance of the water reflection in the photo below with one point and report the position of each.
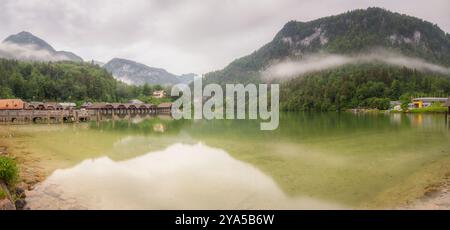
(356, 160)
(179, 177)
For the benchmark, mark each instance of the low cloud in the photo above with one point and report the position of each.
(28, 52)
(318, 62)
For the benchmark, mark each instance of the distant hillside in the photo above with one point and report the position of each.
(64, 81)
(26, 46)
(135, 73)
(354, 32)
(360, 86)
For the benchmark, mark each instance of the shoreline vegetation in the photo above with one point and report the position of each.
(12, 193)
(427, 110)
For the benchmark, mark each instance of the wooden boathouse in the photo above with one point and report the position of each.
(127, 108)
(17, 111)
(43, 116)
(120, 108)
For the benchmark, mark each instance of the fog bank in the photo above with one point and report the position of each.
(28, 52)
(318, 62)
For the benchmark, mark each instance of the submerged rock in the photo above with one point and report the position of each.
(20, 204)
(20, 192)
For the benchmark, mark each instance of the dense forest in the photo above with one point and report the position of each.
(360, 86)
(65, 81)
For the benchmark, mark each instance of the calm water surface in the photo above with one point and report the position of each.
(312, 161)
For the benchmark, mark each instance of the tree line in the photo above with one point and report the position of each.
(65, 81)
(360, 86)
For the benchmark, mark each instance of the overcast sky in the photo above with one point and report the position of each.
(181, 36)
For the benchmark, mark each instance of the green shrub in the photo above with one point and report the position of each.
(8, 170)
(2, 194)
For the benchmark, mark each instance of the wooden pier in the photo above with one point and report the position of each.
(43, 116)
(96, 111)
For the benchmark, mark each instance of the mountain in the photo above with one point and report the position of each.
(352, 33)
(186, 78)
(26, 46)
(135, 73)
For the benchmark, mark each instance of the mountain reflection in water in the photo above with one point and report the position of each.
(179, 177)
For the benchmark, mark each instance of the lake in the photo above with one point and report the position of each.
(312, 161)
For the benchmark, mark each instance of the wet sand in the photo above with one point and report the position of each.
(437, 197)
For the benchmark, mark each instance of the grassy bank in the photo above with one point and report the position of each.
(8, 178)
(2, 194)
(430, 109)
(8, 170)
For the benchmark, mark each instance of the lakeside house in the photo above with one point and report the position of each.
(395, 105)
(423, 102)
(159, 94)
(11, 104)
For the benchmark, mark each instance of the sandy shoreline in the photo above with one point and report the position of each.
(437, 197)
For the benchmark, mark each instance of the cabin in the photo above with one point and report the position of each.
(423, 102)
(11, 104)
(165, 107)
(159, 94)
(395, 105)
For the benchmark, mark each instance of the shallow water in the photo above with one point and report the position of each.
(312, 161)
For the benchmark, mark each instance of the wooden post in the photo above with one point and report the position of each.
(97, 116)
(113, 118)
(447, 114)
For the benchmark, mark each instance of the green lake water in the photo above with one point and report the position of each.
(312, 161)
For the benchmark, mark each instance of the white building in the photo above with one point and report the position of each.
(159, 94)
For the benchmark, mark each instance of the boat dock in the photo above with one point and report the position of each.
(43, 116)
(93, 111)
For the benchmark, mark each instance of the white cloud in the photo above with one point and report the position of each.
(28, 52)
(288, 69)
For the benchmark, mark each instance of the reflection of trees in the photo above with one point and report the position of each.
(324, 155)
(145, 126)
